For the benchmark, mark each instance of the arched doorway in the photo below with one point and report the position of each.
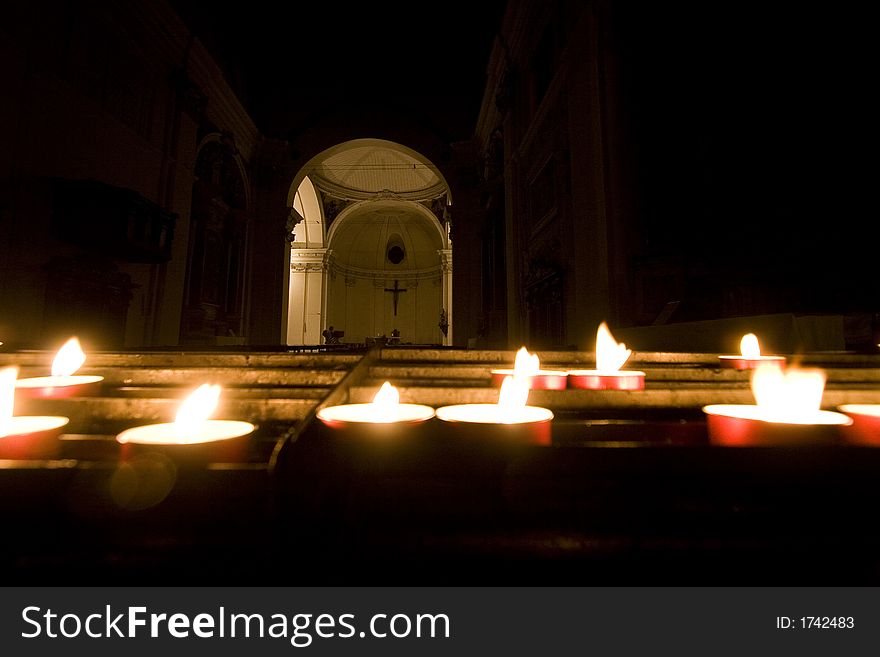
(370, 250)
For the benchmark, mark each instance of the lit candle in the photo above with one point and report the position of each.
(511, 420)
(527, 366)
(786, 412)
(750, 355)
(610, 357)
(63, 382)
(192, 435)
(865, 427)
(25, 436)
(382, 414)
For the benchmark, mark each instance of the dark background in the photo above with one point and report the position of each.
(753, 139)
(745, 131)
(289, 62)
(751, 123)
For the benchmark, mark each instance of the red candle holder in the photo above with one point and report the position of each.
(210, 441)
(357, 420)
(750, 356)
(750, 363)
(865, 427)
(540, 380)
(527, 425)
(58, 387)
(32, 437)
(596, 380)
(747, 425)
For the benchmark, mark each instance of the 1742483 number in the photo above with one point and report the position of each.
(815, 622)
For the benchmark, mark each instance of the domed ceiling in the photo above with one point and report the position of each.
(365, 170)
(387, 237)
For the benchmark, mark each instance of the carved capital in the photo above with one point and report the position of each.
(294, 218)
(445, 260)
(313, 260)
(305, 267)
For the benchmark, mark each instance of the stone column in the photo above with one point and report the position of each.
(446, 294)
(306, 308)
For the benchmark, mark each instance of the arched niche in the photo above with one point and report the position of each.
(367, 218)
(386, 271)
(214, 288)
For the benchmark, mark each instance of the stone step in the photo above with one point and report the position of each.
(587, 359)
(504, 358)
(194, 376)
(43, 360)
(672, 397)
(482, 374)
(654, 372)
(228, 392)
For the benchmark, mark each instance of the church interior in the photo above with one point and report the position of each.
(299, 204)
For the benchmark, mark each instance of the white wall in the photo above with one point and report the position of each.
(362, 308)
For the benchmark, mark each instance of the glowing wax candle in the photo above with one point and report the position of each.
(511, 420)
(26, 436)
(865, 427)
(192, 435)
(527, 366)
(786, 412)
(750, 356)
(610, 357)
(63, 382)
(382, 414)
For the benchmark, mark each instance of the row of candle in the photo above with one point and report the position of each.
(610, 358)
(192, 432)
(510, 419)
(787, 410)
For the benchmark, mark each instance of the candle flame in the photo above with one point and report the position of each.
(514, 394)
(7, 397)
(749, 347)
(610, 355)
(526, 364)
(69, 358)
(787, 396)
(197, 408)
(385, 403)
